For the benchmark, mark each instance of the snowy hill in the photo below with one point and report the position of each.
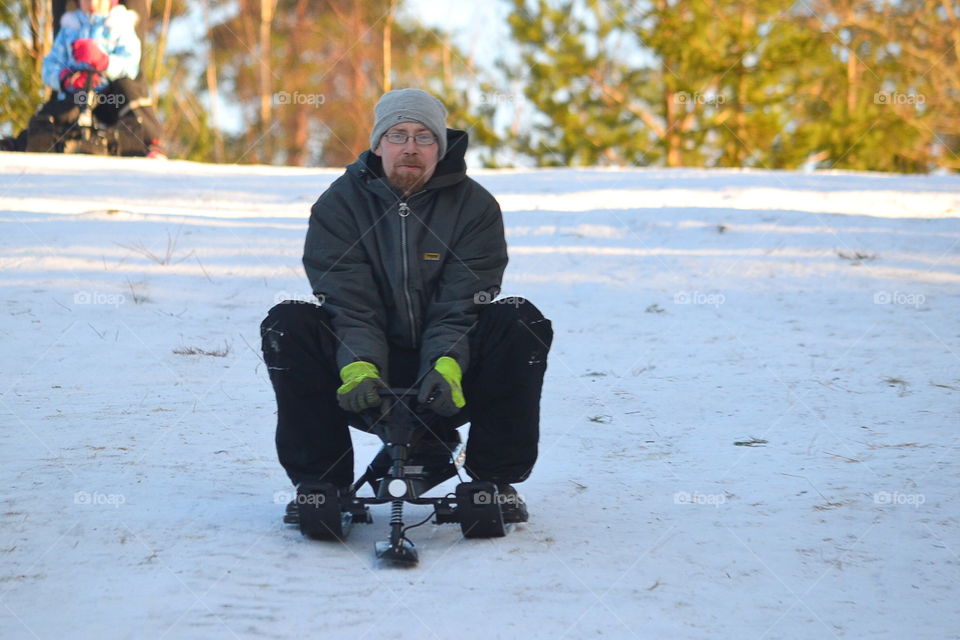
(749, 422)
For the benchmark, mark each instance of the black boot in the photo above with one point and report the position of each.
(43, 134)
(292, 513)
(512, 506)
(292, 516)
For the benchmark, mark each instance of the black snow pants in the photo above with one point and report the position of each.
(122, 104)
(508, 358)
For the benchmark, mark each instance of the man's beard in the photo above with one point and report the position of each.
(407, 182)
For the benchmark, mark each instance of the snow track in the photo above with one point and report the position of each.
(749, 422)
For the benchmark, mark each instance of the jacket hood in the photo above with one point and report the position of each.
(119, 18)
(451, 169)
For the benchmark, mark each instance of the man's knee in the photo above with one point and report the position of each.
(63, 112)
(291, 320)
(511, 313)
(294, 315)
(131, 89)
(514, 324)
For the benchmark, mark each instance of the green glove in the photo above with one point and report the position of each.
(441, 390)
(361, 380)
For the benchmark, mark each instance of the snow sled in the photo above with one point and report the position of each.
(326, 512)
(88, 135)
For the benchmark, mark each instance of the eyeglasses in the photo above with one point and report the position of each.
(422, 139)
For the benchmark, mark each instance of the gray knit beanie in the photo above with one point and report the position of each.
(410, 105)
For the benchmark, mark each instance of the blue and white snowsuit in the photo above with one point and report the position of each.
(114, 33)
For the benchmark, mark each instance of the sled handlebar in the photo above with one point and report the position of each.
(397, 392)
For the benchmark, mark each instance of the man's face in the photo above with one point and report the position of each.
(95, 6)
(408, 166)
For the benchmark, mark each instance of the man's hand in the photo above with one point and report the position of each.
(72, 81)
(441, 391)
(86, 50)
(359, 391)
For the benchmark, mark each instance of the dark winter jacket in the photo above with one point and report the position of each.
(411, 271)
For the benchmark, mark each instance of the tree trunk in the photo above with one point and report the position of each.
(161, 45)
(40, 32)
(212, 88)
(671, 138)
(359, 138)
(266, 115)
(388, 47)
(297, 122)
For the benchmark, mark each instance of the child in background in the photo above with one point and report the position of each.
(97, 48)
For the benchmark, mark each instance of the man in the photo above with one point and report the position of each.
(97, 48)
(405, 254)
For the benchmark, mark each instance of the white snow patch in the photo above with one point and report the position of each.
(749, 422)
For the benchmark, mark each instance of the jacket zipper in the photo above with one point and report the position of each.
(404, 213)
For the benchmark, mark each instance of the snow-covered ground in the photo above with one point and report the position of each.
(750, 417)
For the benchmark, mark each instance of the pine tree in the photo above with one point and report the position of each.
(833, 83)
(25, 38)
(587, 112)
(756, 57)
